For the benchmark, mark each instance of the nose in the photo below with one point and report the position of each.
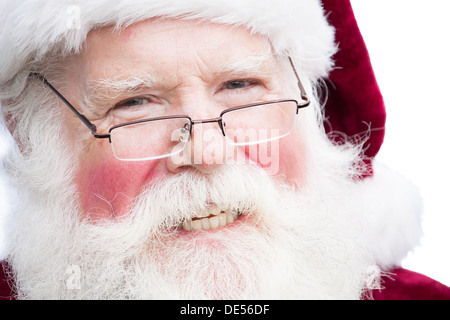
(206, 149)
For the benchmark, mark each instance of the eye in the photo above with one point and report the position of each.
(239, 84)
(134, 102)
(241, 91)
(138, 107)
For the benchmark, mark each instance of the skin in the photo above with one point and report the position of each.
(188, 60)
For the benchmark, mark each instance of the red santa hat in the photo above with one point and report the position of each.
(355, 105)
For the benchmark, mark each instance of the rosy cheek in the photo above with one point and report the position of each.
(280, 157)
(108, 186)
(266, 155)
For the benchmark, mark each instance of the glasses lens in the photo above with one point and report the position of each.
(150, 140)
(261, 123)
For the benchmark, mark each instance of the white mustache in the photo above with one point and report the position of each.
(167, 203)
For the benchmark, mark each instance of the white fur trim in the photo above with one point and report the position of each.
(392, 215)
(30, 28)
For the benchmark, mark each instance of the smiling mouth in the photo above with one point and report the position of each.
(211, 218)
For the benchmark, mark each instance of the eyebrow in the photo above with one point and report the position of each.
(107, 89)
(251, 64)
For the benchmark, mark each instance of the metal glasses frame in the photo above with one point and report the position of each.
(93, 128)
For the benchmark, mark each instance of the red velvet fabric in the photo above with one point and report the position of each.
(407, 285)
(355, 103)
(5, 290)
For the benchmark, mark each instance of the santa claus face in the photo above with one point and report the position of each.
(161, 68)
(200, 224)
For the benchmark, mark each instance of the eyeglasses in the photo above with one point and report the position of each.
(161, 137)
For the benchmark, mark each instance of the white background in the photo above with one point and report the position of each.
(409, 45)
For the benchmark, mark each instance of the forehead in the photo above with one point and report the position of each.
(187, 45)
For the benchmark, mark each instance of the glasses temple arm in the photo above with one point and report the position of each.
(300, 86)
(83, 119)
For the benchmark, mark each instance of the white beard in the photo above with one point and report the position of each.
(294, 245)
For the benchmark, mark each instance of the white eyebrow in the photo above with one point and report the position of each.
(99, 91)
(251, 64)
(113, 87)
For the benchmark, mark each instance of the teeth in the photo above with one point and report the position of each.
(214, 210)
(203, 214)
(196, 225)
(205, 224)
(214, 220)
